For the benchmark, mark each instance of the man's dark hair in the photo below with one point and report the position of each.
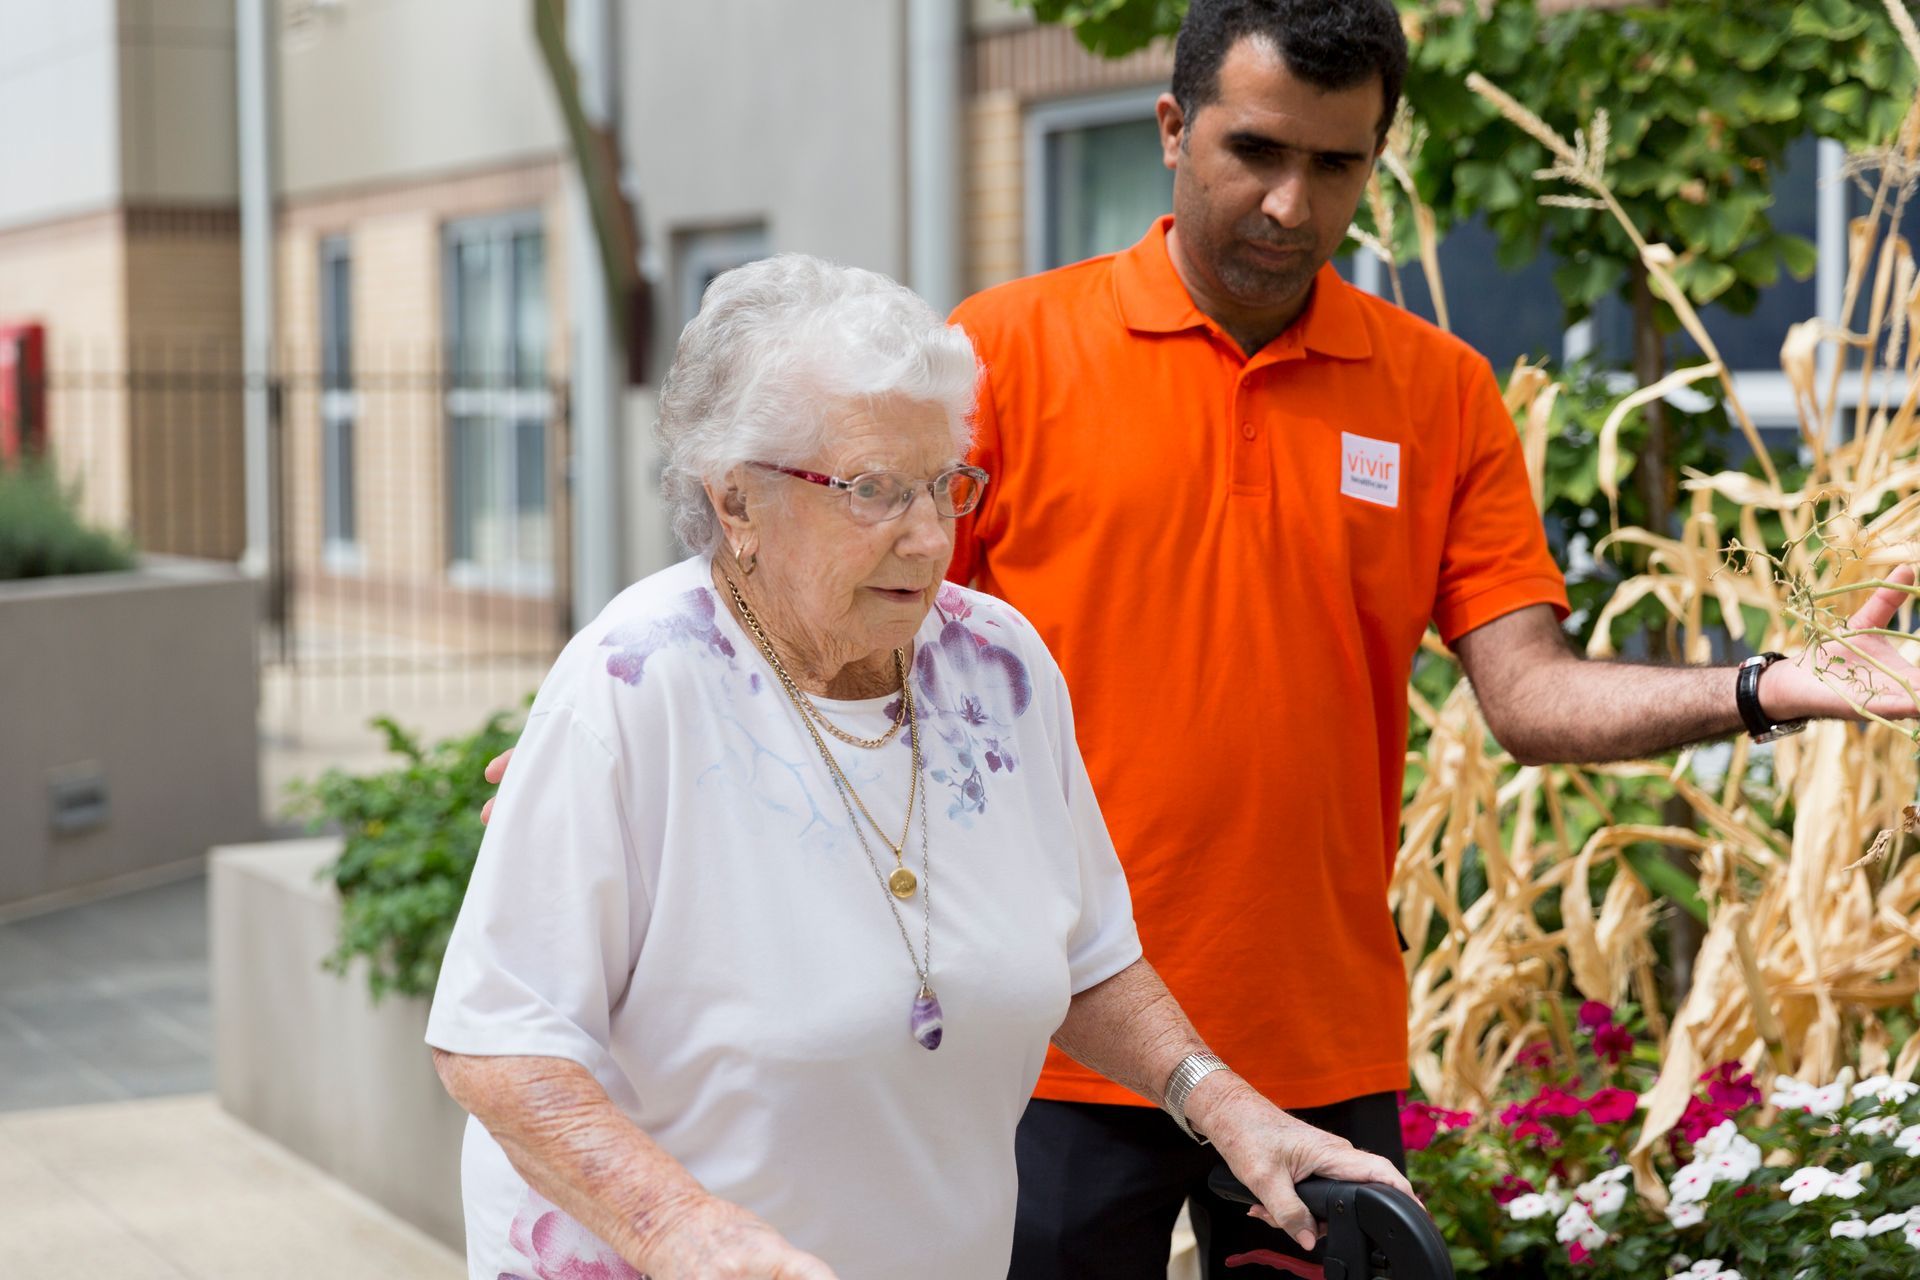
(1331, 44)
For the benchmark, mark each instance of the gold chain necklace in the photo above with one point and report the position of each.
(902, 882)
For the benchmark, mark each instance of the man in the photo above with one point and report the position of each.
(1209, 454)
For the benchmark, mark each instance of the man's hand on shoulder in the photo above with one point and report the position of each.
(496, 769)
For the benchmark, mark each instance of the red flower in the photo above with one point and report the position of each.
(1612, 1044)
(1418, 1128)
(1420, 1123)
(1729, 1091)
(1537, 1056)
(1511, 1188)
(1612, 1106)
(1554, 1100)
(1535, 1132)
(1577, 1253)
(1594, 1015)
(1698, 1120)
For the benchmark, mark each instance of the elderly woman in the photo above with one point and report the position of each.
(797, 871)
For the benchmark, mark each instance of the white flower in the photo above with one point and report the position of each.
(1909, 1141)
(1717, 1139)
(1804, 1185)
(1912, 1234)
(1789, 1094)
(1709, 1268)
(1534, 1204)
(1848, 1186)
(1886, 1089)
(1577, 1224)
(1605, 1192)
(1875, 1126)
(1690, 1183)
(1886, 1222)
(1691, 1214)
(1851, 1228)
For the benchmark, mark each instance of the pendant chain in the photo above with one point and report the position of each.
(844, 789)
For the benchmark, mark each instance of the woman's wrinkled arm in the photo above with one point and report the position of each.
(1131, 1030)
(564, 1135)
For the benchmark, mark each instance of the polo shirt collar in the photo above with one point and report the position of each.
(1153, 299)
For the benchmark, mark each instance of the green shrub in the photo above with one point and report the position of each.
(41, 533)
(412, 834)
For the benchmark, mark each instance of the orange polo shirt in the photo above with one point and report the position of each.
(1234, 560)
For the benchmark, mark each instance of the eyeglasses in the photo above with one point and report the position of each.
(878, 496)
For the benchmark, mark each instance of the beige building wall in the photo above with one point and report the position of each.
(396, 236)
(397, 90)
(791, 116)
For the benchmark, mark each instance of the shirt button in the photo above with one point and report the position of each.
(1246, 429)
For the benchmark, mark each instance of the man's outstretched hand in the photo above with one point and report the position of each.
(496, 770)
(1830, 680)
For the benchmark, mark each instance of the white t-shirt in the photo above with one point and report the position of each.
(671, 895)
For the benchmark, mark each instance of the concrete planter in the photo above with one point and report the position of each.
(128, 739)
(307, 1058)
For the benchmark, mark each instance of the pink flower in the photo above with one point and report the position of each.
(1577, 1253)
(1511, 1188)
(1611, 1106)
(1535, 1132)
(1612, 1043)
(1594, 1015)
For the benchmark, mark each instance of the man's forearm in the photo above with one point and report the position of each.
(1589, 712)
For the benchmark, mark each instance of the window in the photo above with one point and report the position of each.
(339, 409)
(700, 256)
(1096, 177)
(1504, 314)
(498, 405)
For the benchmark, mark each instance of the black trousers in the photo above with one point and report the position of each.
(1101, 1186)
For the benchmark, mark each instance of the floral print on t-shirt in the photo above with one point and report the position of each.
(970, 691)
(558, 1248)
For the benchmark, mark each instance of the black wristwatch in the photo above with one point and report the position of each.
(1746, 696)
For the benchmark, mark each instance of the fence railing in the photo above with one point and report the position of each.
(421, 520)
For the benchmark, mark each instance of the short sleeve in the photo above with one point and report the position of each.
(972, 534)
(552, 923)
(1104, 940)
(1496, 559)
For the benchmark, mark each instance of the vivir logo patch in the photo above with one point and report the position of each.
(1370, 469)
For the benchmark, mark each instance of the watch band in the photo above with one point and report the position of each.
(1746, 696)
(1193, 1068)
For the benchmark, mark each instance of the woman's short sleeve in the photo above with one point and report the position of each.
(1104, 941)
(553, 921)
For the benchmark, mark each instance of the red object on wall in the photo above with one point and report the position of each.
(23, 391)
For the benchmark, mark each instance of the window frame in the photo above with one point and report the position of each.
(339, 404)
(504, 406)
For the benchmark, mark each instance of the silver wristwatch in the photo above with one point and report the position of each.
(1193, 1068)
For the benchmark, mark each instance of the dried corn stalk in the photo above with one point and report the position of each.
(1811, 934)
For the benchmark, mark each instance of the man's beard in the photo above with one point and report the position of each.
(1257, 284)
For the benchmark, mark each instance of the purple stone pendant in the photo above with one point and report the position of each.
(926, 1021)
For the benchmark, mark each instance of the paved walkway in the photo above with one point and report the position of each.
(107, 1001)
(175, 1189)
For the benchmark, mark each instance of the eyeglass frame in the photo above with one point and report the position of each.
(846, 486)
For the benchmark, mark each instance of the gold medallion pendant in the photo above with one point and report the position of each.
(903, 882)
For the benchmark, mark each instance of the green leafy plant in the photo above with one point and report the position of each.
(42, 534)
(412, 834)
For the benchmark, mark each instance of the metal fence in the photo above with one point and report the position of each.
(420, 514)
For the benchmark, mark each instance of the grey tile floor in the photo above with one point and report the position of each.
(107, 1001)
